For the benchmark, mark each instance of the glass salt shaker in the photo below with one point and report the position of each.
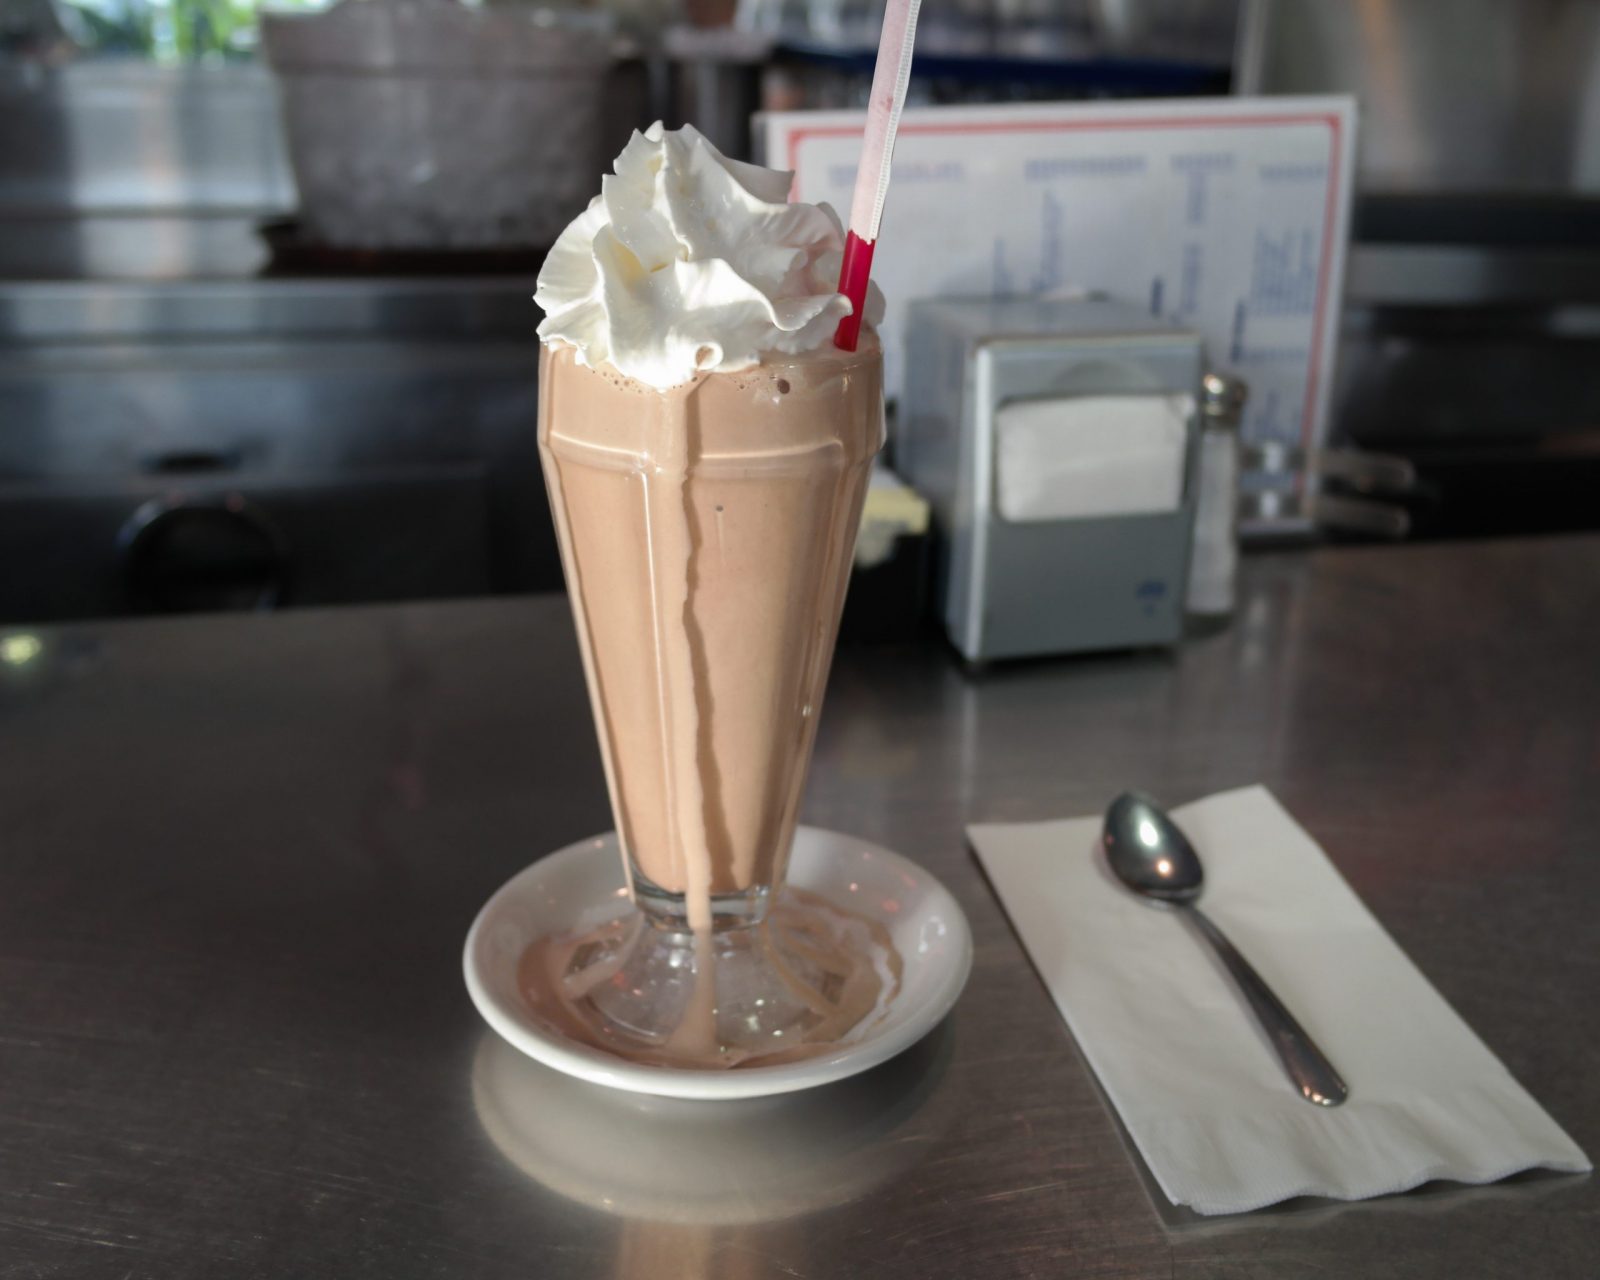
(1214, 562)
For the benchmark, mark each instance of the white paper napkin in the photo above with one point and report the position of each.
(1176, 1049)
(1072, 457)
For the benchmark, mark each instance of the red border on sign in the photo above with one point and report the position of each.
(1335, 157)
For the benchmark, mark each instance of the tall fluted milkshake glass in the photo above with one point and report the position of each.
(707, 530)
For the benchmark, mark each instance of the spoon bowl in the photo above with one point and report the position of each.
(1148, 852)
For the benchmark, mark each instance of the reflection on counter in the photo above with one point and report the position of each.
(698, 1165)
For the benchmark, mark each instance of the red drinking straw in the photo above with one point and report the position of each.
(889, 79)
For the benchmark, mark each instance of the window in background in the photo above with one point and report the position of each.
(170, 30)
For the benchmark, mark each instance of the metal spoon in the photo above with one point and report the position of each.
(1147, 852)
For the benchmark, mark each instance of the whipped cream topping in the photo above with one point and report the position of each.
(688, 261)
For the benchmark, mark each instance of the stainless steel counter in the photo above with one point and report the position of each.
(118, 168)
(380, 425)
(238, 857)
(38, 315)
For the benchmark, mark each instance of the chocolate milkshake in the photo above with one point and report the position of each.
(706, 532)
(706, 449)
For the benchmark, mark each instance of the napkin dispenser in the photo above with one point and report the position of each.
(1055, 442)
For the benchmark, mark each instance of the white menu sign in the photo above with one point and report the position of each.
(1227, 216)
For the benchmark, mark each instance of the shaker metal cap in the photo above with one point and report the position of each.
(1222, 399)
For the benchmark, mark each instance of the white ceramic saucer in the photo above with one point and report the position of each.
(584, 880)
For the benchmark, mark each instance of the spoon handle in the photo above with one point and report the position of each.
(1313, 1075)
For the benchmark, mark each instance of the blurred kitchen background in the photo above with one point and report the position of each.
(266, 329)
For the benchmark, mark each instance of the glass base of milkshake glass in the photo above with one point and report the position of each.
(706, 534)
(788, 984)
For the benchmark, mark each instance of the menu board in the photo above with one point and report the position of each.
(1226, 216)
